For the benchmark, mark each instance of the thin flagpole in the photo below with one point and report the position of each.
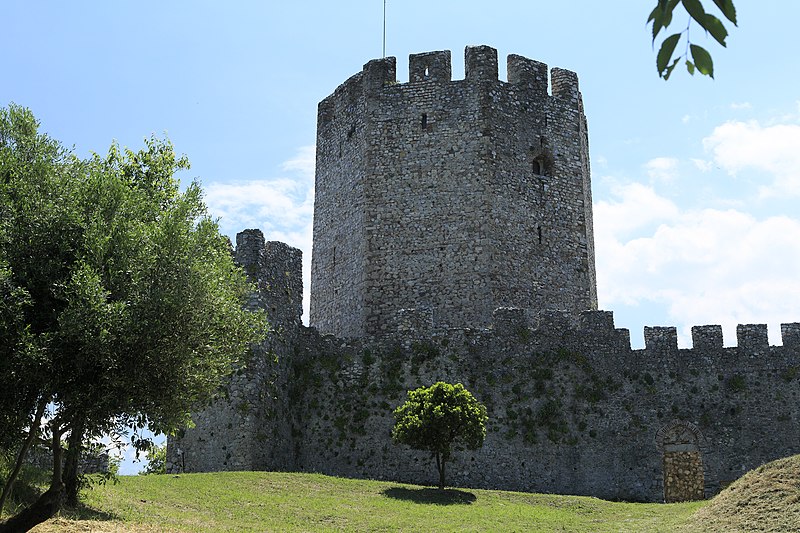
(384, 28)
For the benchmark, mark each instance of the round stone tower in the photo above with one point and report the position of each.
(453, 196)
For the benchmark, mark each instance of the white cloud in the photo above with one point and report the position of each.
(741, 105)
(638, 206)
(703, 165)
(600, 161)
(703, 266)
(281, 207)
(662, 169)
(303, 162)
(775, 150)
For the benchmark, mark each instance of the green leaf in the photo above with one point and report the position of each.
(702, 60)
(668, 10)
(667, 17)
(665, 53)
(695, 9)
(669, 70)
(727, 8)
(657, 16)
(715, 27)
(661, 16)
(690, 67)
(656, 10)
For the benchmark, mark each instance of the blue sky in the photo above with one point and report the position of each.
(696, 182)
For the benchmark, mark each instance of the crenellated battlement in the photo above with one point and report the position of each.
(527, 73)
(707, 337)
(661, 339)
(276, 270)
(790, 334)
(594, 326)
(431, 67)
(752, 337)
(480, 67)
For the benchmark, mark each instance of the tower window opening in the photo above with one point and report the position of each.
(541, 166)
(424, 121)
(426, 72)
(539, 231)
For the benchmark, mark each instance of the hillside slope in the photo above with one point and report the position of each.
(764, 499)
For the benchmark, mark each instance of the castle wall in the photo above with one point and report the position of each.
(246, 427)
(572, 408)
(576, 412)
(338, 276)
(465, 195)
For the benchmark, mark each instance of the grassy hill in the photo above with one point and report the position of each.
(267, 501)
(766, 499)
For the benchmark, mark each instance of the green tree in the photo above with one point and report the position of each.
(700, 60)
(156, 460)
(121, 303)
(438, 419)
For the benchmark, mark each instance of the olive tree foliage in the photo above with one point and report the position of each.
(121, 305)
(439, 419)
(156, 460)
(696, 57)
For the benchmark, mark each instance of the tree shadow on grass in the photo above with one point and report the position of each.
(79, 513)
(84, 512)
(431, 496)
(89, 513)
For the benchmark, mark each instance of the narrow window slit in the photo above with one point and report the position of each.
(424, 121)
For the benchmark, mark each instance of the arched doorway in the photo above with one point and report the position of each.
(682, 461)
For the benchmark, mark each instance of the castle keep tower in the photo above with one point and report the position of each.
(456, 197)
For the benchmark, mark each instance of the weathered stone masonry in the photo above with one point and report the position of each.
(457, 196)
(572, 408)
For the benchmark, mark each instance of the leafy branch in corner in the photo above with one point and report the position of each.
(696, 57)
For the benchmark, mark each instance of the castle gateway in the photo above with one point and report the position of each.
(453, 241)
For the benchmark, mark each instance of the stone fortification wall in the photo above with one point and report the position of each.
(458, 196)
(246, 425)
(572, 408)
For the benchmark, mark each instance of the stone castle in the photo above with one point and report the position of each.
(453, 241)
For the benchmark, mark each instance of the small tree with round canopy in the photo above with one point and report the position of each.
(438, 419)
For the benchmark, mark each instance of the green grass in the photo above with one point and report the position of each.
(266, 501)
(764, 499)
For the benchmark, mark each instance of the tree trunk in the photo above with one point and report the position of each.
(41, 510)
(48, 504)
(440, 462)
(32, 432)
(73, 455)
